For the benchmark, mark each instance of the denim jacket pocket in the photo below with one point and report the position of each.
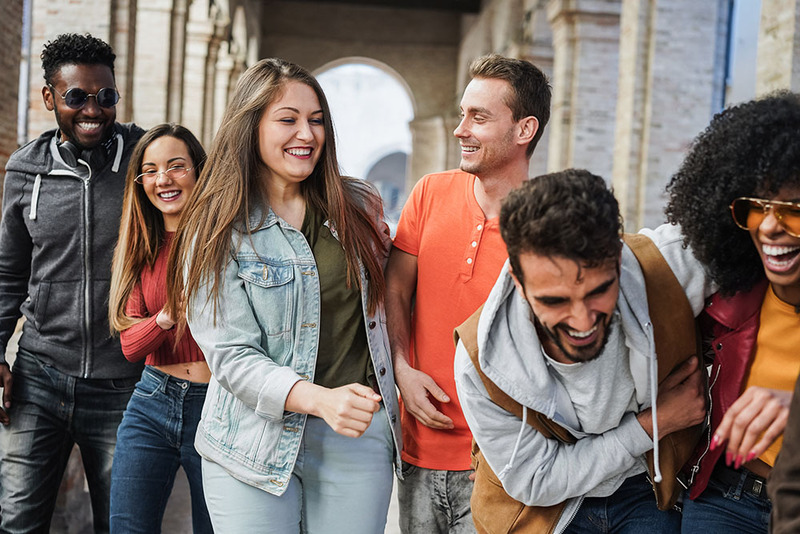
(270, 285)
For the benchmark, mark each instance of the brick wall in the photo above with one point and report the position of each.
(11, 44)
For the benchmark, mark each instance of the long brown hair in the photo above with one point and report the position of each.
(233, 185)
(141, 228)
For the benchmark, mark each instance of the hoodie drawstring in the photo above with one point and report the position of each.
(37, 185)
(118, 156)
(510, 463)
(653, 398)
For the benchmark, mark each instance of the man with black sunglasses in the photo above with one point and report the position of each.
(61, 208)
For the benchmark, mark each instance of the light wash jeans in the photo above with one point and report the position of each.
(50, 413)
(156, 436)
(435, 502)
(339, 485)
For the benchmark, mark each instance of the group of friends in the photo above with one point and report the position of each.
(277, 319)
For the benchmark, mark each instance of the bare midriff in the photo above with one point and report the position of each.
(191, 371)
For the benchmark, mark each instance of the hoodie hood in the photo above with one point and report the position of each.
(36, 156)
(510, 352)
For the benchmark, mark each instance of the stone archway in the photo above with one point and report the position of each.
(372, 107)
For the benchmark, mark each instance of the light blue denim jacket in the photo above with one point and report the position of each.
(264, 341)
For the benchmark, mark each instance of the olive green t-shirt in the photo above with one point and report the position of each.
(342, 354)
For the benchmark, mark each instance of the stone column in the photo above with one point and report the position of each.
(123, 41)
(199, 32)
(429, 147)
(177, 53)
(778, 65)
(585, 56)
(670, 84)
(152, 67)
(537, 47)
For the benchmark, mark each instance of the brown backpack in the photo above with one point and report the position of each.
(676, 339)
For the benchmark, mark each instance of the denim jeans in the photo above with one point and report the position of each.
(629, 510)
(726, 509)
(156, 436)
(50, 413)
(339, 485)
(433, 501)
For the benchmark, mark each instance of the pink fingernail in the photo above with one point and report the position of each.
(714, 443)
(728, 458)
(738, 462)
(750, 456)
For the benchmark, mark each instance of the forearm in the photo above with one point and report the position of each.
(142, 339)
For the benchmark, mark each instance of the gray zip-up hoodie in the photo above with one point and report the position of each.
(542, 472)
(57, 236)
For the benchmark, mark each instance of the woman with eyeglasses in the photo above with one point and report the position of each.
(737, 198)
(280, 260)
(157, 432)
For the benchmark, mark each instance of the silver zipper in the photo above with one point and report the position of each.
(87, 271)
(696, 467)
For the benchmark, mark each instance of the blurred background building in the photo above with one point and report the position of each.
(634, 81)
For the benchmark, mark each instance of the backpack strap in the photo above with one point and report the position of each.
(670, 312)
(676, 339)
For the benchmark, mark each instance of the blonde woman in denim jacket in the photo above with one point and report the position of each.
(280, 263)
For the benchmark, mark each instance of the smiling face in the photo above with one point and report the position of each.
(487, 131)
(779, 251)
(291, 135)
(572, 307)
(168, 195)
(91, 125)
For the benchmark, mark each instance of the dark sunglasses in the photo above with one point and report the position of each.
(76, 98)
(749, 213)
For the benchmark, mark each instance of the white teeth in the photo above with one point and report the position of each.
(579, 335)
(773, 250)
(299, 151)
(469, 148)
(169, 194)
(89, 125)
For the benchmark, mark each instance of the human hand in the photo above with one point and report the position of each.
(681, 400)
(6, 381)
(415, 386)
(758, 412)
(164, 320)
(348, 409)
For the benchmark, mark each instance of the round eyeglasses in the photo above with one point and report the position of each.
(76, 98)
(176, 172)
(749, 213)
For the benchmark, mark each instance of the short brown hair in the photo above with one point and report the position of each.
(530, 89)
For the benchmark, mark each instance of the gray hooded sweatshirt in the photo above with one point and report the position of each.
(542, 472)
(57, 236)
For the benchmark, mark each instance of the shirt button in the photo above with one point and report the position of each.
(480, 227)
(474, 244)
(371, 325)
(382, 371)
(719, 346)
(469, 261)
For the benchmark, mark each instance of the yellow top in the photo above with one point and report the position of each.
(776, 364)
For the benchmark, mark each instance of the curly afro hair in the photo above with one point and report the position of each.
(75, 49)
(753, 150)
(571, 214)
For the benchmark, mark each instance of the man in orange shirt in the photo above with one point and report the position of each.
(447, 254)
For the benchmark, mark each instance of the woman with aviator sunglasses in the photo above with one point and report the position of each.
(157, 432)
(737, 198)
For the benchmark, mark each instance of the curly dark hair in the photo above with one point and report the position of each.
(75, 49)
(571, 214)
(753, 150)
